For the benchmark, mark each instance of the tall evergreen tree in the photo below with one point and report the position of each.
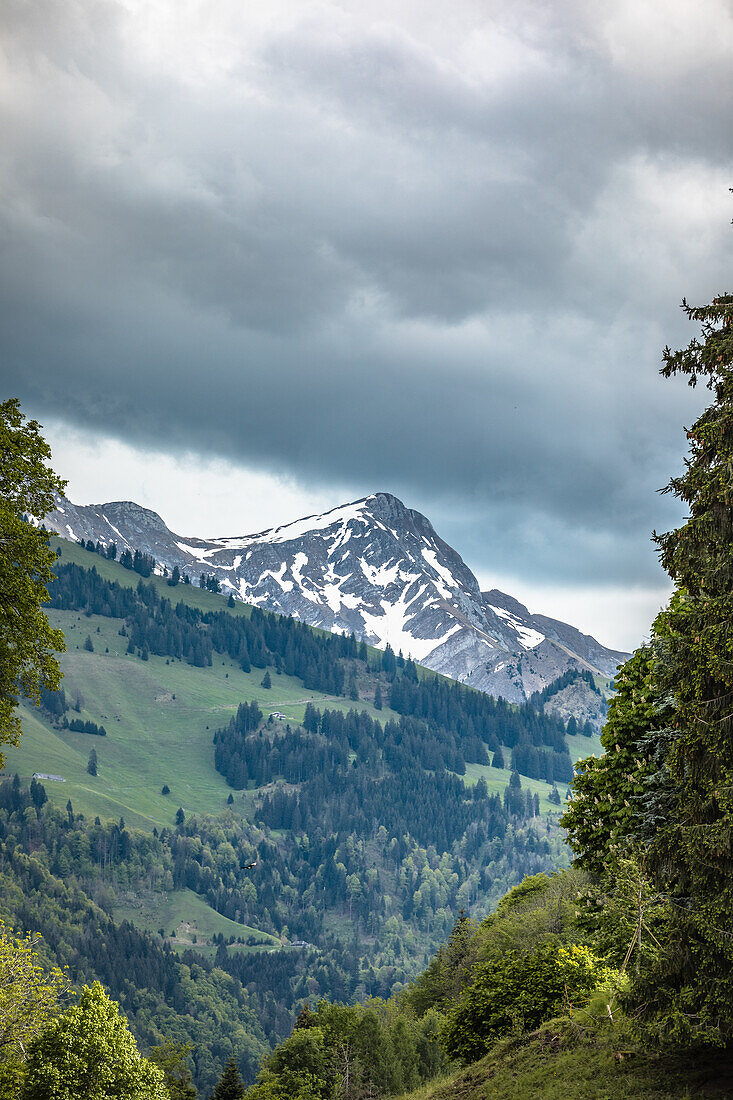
(692, 854)
(229, 1086)
(665, 783)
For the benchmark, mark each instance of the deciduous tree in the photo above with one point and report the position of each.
(29, 993)
(27, 643)
(88, 1051)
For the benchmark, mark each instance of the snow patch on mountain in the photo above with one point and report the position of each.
(529, 638)
(372, 567)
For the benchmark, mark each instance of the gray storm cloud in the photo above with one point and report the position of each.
(432, 248)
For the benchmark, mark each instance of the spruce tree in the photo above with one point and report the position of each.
(664, 788)
(692, 855)
(92, 765)
(230, 1085)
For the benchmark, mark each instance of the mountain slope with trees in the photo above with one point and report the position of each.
(351, 835)
(374, 568)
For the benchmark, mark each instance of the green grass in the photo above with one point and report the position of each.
(550, 1067)
(183, 915)
(580, 746)
(156, 715)
(498, 778)
(189, 594)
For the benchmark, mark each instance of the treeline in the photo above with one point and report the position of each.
(293, 755)
(326, 741)
(444, 724)
(538, 698)
(330, 739)
(435, 809)
(77, 725)
(553, 767)
(469, 714)
(141, 563)
(154, 625)
(472, 720)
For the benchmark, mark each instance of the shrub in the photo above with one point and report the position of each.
(517, 992)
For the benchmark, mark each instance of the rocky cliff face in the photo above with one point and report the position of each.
(374, 567)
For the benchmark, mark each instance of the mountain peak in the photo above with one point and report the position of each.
(373, 567)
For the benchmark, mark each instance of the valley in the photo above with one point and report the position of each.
(350, 887)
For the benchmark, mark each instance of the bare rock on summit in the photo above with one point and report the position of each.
(372, 567)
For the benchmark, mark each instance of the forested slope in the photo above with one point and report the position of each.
(355, 824)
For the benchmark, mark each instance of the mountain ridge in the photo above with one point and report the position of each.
(374, 567)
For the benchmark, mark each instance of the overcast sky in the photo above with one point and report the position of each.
(260, 259)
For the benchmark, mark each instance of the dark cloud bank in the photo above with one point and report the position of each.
(434, 252)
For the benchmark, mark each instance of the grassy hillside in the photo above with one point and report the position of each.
(555, 1065)
(189, 594)
(186, 920)
(497, 778)
(368, 852)
(160, 715)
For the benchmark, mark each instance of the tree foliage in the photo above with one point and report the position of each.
(170, 1057)
(88, 1051)
(516, 992)
(665, 785)
(27, 642)
(29, 994)
(374, 1049)
(229, 1086)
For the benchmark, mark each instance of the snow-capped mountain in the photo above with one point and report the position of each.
(374, 567)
